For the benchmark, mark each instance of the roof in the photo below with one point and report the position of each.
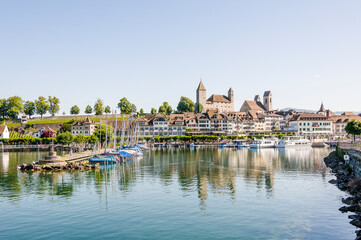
(201, 86)
(309, 117)
(218, 98)
(2, 128)
(48, 129)
(257, 98)
(267, 93)
(344, 118)
(269, 115)
(253, 105)
(84, 122)
(348, 114)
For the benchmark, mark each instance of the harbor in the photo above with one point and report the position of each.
(170, 188)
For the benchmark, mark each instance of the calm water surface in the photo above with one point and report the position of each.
(178, 194)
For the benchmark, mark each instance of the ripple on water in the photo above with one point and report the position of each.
(206, 194)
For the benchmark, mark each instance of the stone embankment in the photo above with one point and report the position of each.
(58, 166)
(348, 174)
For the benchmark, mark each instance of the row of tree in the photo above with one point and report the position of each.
(11, 108)
(99, 108)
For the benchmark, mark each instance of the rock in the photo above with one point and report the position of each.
(37, 167)
(356, 223)
(333, 181)
(342, 186)
(348, 201)
(358, 233)
(29, 167)
(355, 216)
(47, 168)
(352, 208)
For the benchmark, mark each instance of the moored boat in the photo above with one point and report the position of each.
(264, 143)
(293, 142)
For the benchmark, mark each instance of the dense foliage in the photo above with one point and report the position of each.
(53, 105)
(353, 127)
(74, 110)
(42, 106)
(185, 105)
(88, 109)
(99, 107)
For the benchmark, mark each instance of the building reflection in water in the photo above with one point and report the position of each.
(204, 172)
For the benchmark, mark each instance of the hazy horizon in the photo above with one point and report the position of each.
(154, 51)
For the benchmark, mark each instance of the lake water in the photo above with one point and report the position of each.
(177, 194)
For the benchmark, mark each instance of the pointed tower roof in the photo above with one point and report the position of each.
(201, 86)
(230, 90)
(322, 108)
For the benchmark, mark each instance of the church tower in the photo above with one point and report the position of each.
(201, 94)
(267, 100)
(231, 98)
(231, 94)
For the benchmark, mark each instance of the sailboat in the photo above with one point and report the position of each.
(104, 158)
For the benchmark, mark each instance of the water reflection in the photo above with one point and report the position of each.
(202, 172)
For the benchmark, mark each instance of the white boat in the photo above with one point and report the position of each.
(293, 142)
(264, 143)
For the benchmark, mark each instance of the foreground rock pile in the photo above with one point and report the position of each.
(346, 181)
(57, 166)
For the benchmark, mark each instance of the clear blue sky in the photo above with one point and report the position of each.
(153, 51)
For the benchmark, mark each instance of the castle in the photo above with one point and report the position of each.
(257, 105)
(221, 102)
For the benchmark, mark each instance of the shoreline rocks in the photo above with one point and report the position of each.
(347, 181)
(57, 166)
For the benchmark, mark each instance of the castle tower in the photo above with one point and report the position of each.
(231, 94)
(201, 94)
(267, 100)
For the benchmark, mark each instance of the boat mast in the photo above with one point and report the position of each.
(115, 129)
(106, 132)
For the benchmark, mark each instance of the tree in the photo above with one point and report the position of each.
(162, 110)
(80, 141)
(42, 106)
(141, 111)
(66, 127)
(107, 110)
(185, 105)
(153, 111)
(101, 132)
(74, 110)
(353, 127)
(165, 109)
(65, 138)
(14, 106)
(53, 105)
(29, 108)
(199, 108)
(125, 106)
(3, 108)
(99, 107)
(168, 108)
(88, 109)
(133, 108)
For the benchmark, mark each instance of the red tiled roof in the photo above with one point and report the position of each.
(218, 98)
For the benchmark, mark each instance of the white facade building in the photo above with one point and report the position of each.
(86, 128)
(4, 132)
